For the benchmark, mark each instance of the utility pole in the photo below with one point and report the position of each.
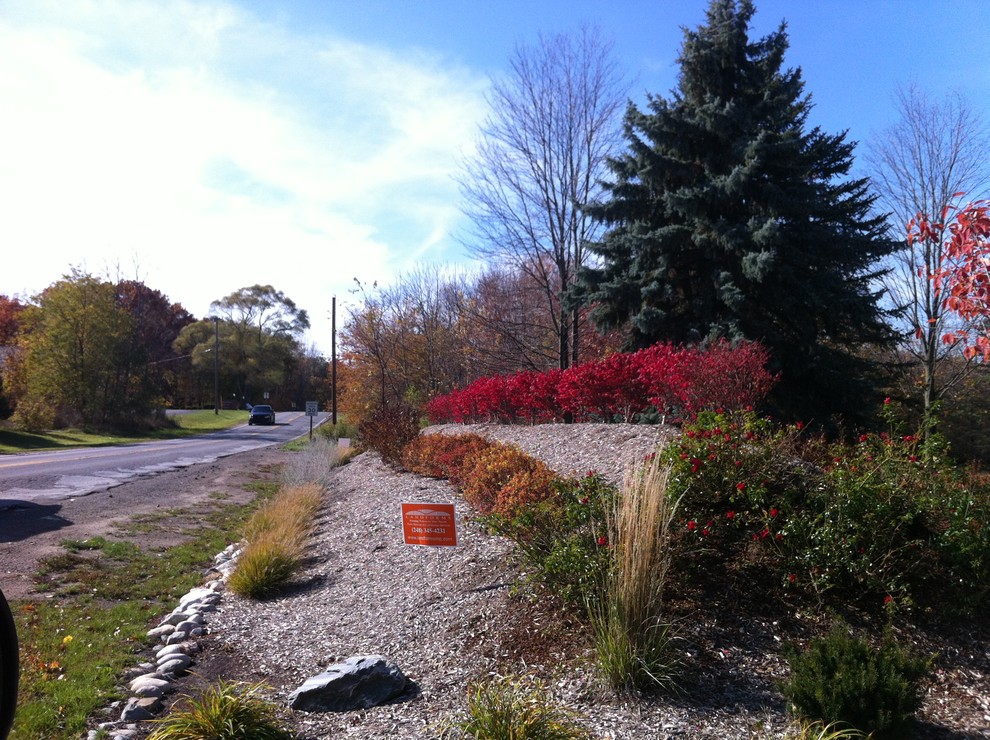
(216, 365)
(333, 362)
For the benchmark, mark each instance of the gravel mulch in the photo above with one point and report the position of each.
(449, 616)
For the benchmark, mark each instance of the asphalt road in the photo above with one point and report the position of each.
(42, 477)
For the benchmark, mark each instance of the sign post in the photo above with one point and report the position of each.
(311, 411)
(432, 525)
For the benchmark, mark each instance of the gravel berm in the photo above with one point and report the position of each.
(450, 616)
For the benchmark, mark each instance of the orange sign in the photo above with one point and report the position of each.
(429, 524)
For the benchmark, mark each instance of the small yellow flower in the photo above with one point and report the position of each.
(66, 640)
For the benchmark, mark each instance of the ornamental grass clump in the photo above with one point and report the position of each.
(841, 678)
(633, 641)
(516, 708)
(831, 731)
(291, 513)
(276, 538)
(313, 464)
(265, 566)
(226, 711)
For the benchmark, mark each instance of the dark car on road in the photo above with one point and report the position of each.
(261, 415)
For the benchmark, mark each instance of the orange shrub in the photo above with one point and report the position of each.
(504, 479)
(442, 455)
(525, 488)
(420, 455)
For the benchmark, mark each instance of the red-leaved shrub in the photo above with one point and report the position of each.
(673, 381)
(605, 388)
(388, 430)
(536, 395)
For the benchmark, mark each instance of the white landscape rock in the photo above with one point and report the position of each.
(173, 659)
(148, 690)
(151, 679)
(165, 629)
(175, 665)
(170, 650)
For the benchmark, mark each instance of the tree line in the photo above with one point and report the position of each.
(93, 352)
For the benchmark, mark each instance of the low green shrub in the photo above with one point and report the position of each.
(388, 430)
(33, 415)
(563, 539)
(343, 429)
(509, 707)
(842, 678)
(226, 711)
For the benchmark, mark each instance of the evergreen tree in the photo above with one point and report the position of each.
(727, 218)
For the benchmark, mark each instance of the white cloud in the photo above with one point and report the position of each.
(202, 151)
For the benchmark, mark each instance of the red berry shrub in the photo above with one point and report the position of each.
(889, 518)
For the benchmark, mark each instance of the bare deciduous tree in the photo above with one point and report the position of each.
(554, 120)
(936, 150)
(406, 337)
(503, 311)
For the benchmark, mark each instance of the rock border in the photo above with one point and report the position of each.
(149, 682)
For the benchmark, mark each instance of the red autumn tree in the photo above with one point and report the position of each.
(964, 278)
(10, 310)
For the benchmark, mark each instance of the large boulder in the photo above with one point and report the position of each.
(358, 683)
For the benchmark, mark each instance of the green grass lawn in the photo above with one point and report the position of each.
(184, 425)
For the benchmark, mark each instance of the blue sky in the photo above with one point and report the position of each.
(206, 146)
